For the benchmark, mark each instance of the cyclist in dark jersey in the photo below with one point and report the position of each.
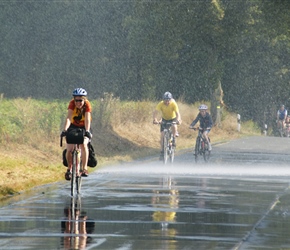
(281, 117)
(205, 122)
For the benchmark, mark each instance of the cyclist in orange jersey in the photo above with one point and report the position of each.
(78, 116)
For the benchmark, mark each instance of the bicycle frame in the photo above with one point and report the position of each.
(168, 148)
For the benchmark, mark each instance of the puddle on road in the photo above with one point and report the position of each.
(150, 206)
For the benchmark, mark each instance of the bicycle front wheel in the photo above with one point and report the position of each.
(196, 149)
(172, 151)
(78, 184)
(206, 153)
(165, 148)
(74, 173)
(281, 132)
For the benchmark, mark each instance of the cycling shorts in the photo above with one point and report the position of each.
(206, 130)
(163, 120)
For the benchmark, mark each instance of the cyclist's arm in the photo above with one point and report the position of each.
(194, 121)
(176, 111)
(155, 113)
(88, 121)
(68, 119)
(178, 117)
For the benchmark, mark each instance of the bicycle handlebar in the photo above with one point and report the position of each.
(162, 122)
(198, 128)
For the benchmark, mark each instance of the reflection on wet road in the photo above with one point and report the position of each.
(235, 202)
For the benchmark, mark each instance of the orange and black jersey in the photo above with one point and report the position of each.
(78, 118)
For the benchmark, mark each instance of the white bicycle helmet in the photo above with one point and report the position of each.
(202, 107)
(79, 92)
(167, 96)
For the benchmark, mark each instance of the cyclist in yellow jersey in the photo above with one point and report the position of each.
(170, 113)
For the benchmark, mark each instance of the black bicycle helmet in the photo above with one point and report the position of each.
(167, 96)
(79, 92)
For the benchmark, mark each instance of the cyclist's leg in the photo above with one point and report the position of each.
(283, 125)
(85, 156)
(69, 148)
(279, 125)
(174, 128)
(174, 131)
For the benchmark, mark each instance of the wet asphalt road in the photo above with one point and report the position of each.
(240, 200)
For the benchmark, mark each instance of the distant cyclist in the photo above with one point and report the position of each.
(287, 123)
(205, 122)
(281, 117)
(78, 116)
(170, 113)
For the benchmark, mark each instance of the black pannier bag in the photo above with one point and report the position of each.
(75, 136)
(64, 161)
(92, 161)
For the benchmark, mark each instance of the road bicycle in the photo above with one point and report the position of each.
(201, 146)
(168, 142)
(76, 172)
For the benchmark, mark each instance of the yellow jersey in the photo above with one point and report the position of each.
(168, 111)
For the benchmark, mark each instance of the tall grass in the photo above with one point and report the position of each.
(27, 120)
